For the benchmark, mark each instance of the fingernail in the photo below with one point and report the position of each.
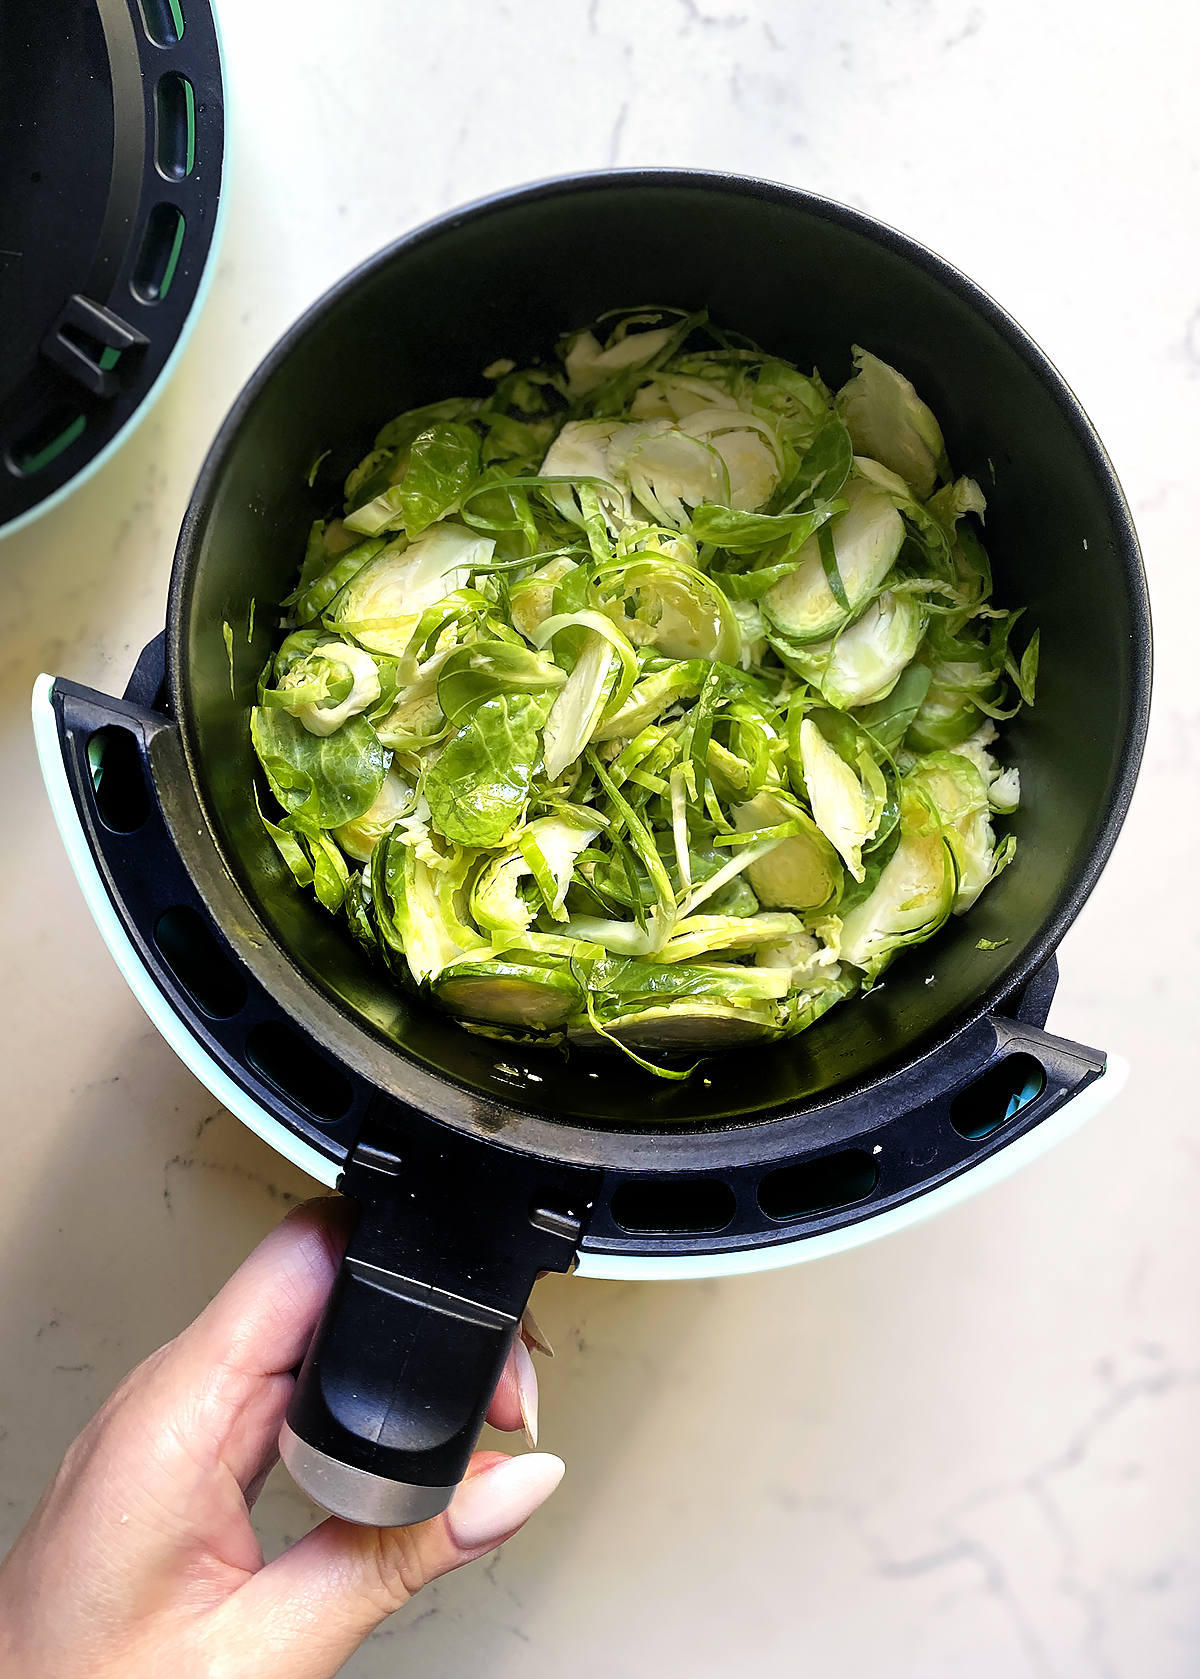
(492, 1505)
(533, 1333)
(527, 1390)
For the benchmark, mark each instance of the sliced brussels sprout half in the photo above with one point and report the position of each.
(418, 920)
(959, 794)
(668, 470)
(643, 1005)
(749, 449)
(589, 364)
(508, 993)
(802, 872)
(511, 890)
(382, 605)
(395, 799)
(887, 420)
(673, 608)
(580, 453)
(839, 803)
(911, 899)
(826, 590)
(349, 678)
(665, 467)
(685, 1028)
(863, 663)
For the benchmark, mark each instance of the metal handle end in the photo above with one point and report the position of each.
(355, 1494)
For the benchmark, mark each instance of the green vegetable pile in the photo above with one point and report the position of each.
(648, 699)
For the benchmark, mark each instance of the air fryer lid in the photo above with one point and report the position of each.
(806, 279)
(111, 141)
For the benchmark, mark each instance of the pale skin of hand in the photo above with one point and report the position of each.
(140, 1560)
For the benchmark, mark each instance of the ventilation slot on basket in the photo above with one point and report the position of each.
(1002, 1092)
(162, 21)
(818, 1186)
(202, 968)
(174, 127)
(118, 779)
(46, 439)
(283, 1058)
(673, 1207)
(159, 255)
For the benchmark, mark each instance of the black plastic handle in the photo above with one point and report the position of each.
(451, 1237)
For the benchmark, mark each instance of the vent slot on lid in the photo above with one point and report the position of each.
(818, 1186)
(294, 1068)
(46, 439)
(163, 21)
(159, 255)
(674, 1207)
(174, 127)
(118, 780)
(999, 1095)
(186, 944)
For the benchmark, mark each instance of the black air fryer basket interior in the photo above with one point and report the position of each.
(806, 280)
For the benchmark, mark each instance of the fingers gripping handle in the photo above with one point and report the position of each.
(393, 1393)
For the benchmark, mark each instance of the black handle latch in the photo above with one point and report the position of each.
(87, 341)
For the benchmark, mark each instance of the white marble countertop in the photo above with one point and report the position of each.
(972, 1448)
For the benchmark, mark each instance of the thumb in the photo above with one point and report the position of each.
(310, 1609)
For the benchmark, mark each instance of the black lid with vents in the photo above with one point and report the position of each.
(112, 141)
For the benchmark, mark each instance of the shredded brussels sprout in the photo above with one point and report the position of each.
(650, 700)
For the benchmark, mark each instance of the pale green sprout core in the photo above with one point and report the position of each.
(326, 719)
(382, 606)
(649, 702)
(888, 421)
(836, 796)
(395, 799)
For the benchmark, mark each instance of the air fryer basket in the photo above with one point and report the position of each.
(478, 1164)
(806, 281)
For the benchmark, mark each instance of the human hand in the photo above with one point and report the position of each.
(140, 1559)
